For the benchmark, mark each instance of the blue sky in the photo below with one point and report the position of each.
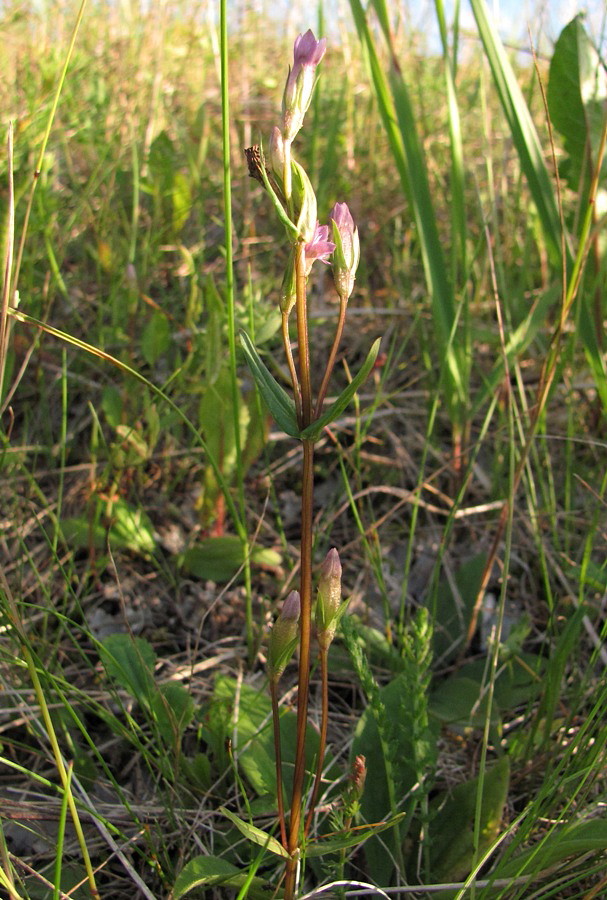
(545, 18)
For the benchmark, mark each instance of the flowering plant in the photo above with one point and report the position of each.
(335, 244)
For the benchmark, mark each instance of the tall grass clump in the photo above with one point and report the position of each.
(281, 612)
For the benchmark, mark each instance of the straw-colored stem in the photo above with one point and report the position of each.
(8, 260)
(305, 589)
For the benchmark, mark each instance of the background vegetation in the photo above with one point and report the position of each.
(143, 547)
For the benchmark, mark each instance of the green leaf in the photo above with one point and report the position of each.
(312, 432)
(213, 871)
(451, 837)
(559, 843)
(155, 338)
(173, 709)
(277, 400)
(197, 770)
(375, 747)
(130, 529)
(220, 558)
(402, 131)
(209, 870)
(181, 196)
(213, 340)
(130, 662)
(256, 835)
(355, 838)
(457, 701)
(577, 90)
(255, 738)
(522, 129)
(451, 611)
(112, 405)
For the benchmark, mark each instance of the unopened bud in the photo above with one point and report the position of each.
(347, 249)
(277, 154)
(283, 638)
(305, 202)
(329, 603)
(288, 291)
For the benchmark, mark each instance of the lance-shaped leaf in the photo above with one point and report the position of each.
(353, 839)
(256, 835)
(312, 432)
(276, 399)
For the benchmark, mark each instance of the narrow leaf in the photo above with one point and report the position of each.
(276, 399)
(256, 835)
(521, 126)
(353, 839)
(312, 431)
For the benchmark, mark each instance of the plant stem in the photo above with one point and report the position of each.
(322, 743)
(291, 364)
(343, 302)
(305, 590)
(278, 757)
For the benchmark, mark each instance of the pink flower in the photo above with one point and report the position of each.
(320, 247)
(307, 53)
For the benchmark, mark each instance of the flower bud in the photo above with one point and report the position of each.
(288, 291)
(347, 249)
(307, 53)
(304, 199)
(328, 604)
(283, 638)
(277, 154)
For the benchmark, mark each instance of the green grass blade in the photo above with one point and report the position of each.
(231, 321)
(522, 129)
(398, 119)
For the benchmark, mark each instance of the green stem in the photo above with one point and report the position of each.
(286, 178)
(343, 302)
(322, 743)
(278, 758)
(291, 364)
(231, 317)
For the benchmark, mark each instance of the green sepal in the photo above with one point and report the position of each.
(256, 835)
(292, 230)
(276, 399)
(277, 666)
(305, 198)
(312, 432)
